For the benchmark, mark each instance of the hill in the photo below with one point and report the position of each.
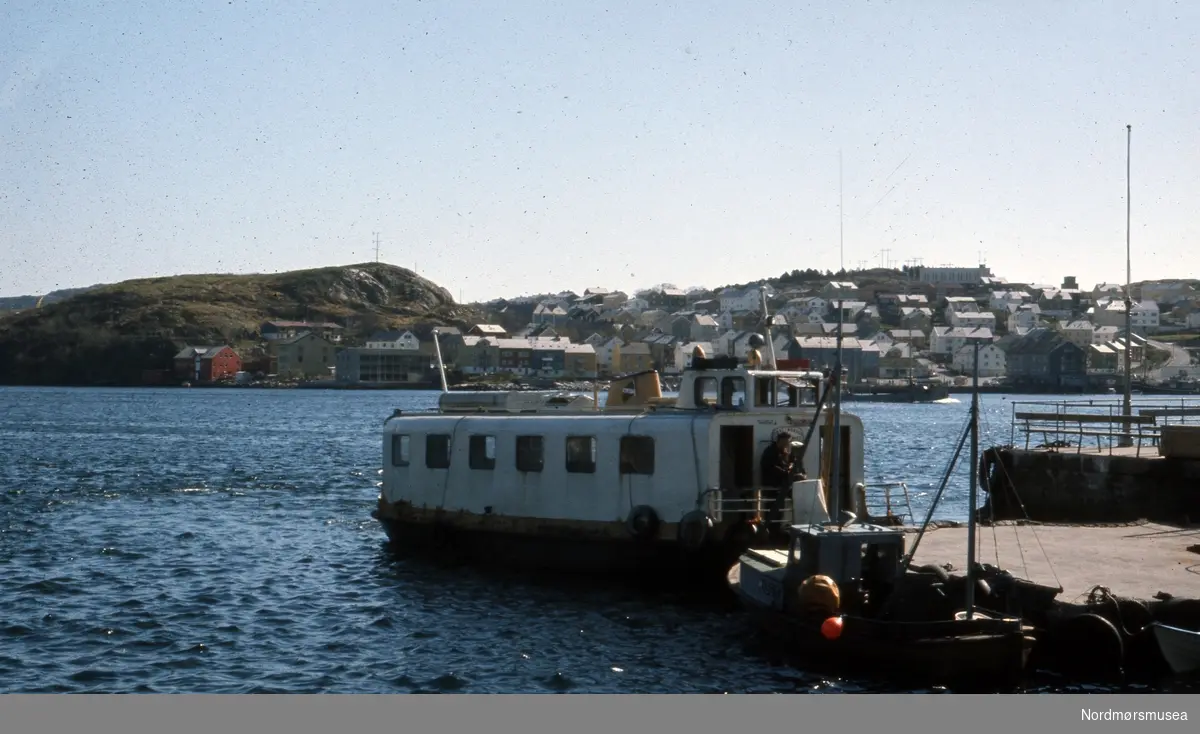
(109, 335)
(17, 303)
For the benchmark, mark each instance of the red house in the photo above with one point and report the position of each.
(207, 364)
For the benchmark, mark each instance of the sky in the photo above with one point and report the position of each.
(512, 147)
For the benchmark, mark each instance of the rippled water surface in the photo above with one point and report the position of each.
(221, 541)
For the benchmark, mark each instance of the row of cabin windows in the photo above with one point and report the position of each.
(768, 392)
(636, 452)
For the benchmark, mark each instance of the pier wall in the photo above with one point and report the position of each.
(1069, 487)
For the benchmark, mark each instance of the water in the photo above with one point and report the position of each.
(220, 541)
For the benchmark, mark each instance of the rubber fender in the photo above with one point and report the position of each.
(643, 522)
(694, 529)
(1091, 643)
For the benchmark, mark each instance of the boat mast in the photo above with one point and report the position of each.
(762, 291)
(437, 348)
(835, 490)
(1127, 403)
(974, 484)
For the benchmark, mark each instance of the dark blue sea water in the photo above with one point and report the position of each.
(220, 541)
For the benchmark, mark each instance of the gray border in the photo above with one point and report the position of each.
(342, 714)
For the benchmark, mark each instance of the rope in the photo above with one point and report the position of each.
(1032, 528)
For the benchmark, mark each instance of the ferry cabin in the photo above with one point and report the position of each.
(568, 483)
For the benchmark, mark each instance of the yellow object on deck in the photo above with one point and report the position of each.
(819, 594)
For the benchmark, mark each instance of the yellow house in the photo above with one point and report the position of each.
(304, 356)
(579, 361)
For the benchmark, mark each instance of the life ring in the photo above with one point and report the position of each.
(643, 522)
(694, 529)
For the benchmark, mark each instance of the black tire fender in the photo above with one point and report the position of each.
(643, 522)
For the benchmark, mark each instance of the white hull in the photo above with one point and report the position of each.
(1180, 648)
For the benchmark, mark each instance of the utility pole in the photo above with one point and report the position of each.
(376, 234)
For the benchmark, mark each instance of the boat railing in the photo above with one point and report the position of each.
(1060, 425)
(889, 495)
(892, 497)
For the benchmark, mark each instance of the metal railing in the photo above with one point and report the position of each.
(760, 504)
(1071, 424)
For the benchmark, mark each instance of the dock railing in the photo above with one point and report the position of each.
(892, 497)
(1064, 425)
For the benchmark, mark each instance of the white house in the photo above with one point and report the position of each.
(741, 299)
(948, 340)
(1025, 317)
(991, 360)
(1080, 333)
(973, 319)
(1000, 299)
(1144, 318)
(393, 340)
(961, 304)
(1104, 334)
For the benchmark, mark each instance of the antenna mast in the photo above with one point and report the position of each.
(1127, 402)
(376, 234)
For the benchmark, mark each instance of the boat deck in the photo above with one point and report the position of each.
(1135, 560)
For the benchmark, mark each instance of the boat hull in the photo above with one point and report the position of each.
(910, 651)
(663, 562)
(1179, 647)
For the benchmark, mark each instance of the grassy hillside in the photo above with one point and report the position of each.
(109, 335)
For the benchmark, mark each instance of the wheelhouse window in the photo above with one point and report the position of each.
(637, 455)
(530, 453)
(437, 451)
(581, 454)
(733, 392)
(482, 451)
(764, 392)
(705, 391)
(399, 450)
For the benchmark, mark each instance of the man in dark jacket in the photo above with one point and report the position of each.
(780, 467)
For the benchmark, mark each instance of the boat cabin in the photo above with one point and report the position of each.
(724, 383)
(864, 560)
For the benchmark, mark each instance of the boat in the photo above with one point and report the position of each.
(844, 593)
(1179, 647)
(639, 485)
(914, 392)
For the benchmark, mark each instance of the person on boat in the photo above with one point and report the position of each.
(780, 467)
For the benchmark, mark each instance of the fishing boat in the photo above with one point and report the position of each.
(845, 592)
(640, 484)
(1179, 647)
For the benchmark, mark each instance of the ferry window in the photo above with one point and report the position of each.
(581, 454)
(530, 456)
(482, 451)
(399, 450)
(706, 391)
(437, 451)
(733, 392)
(764, 391)
(637, 455)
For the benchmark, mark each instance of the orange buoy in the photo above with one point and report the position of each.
(831, 628)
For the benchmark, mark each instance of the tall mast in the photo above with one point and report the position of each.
(835, 491)
(974, 483)
(1127, 402)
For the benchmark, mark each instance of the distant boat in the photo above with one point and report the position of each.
(1180, 647)
(916, 392)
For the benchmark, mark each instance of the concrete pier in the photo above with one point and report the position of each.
(1136, 560)
(1091, 485)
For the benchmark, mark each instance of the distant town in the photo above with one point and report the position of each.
(916, 324)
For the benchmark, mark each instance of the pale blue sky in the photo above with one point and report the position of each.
(514, 146)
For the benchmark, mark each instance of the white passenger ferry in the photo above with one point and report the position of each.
(640, 483)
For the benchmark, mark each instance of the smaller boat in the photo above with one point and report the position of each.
(847, 593)
(841, 595)
(1180, 647)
